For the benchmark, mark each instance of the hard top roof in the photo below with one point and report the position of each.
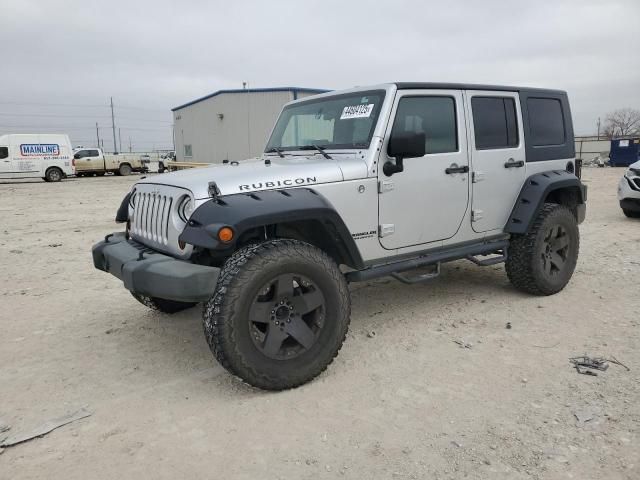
(470, 86)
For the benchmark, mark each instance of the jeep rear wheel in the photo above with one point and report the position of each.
(162, 304)
(542, 261)
(279, 315)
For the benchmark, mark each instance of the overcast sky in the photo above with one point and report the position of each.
(63, 59)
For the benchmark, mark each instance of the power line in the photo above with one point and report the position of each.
(45, 115)
(80, 127)
(83, 105)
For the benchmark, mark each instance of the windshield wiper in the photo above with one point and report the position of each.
(276, 150)
(316, 147)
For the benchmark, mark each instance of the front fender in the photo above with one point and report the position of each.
(244, 212)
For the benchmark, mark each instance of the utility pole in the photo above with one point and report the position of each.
(113, 126)
(120, 139)
(129, 144)
(97, 135)
(598, 128)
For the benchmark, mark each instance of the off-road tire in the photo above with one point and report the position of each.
(162, 304)
(53, 174)
(124, 170)
(631, 213)
(228, 329)
(526, 261)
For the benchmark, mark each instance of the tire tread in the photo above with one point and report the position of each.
(238, 269)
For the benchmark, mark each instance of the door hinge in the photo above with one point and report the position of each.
(477, 177)
(386, 229)
(476, 215)
(385, 186)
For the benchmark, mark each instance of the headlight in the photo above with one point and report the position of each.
(185, 209)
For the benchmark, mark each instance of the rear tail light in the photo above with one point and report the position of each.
(73, 162)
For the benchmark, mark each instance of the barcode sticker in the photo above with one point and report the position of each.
(356, 111)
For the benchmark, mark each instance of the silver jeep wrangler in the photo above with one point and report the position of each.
(353, 185)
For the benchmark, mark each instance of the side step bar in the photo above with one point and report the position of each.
(469, 252)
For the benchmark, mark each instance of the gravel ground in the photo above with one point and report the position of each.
(405, 402)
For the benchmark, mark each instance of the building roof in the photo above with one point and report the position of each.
(294, 90)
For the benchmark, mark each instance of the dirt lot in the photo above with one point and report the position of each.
(407, 402)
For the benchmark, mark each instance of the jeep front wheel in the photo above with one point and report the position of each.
(542, 260)
(279, 315)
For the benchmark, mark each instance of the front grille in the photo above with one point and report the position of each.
(152, 214)
(154, 218)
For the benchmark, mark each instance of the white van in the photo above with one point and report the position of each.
(46, 156)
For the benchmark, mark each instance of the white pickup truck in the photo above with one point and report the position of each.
(93, 161)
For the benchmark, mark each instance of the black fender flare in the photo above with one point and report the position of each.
(122, 215)
(244, 212)
(536, 190)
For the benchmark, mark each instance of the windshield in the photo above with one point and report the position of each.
(340, 121)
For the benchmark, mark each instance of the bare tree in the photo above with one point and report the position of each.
(622, 123)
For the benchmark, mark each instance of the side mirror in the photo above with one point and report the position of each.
(76, 156)
(404, 145)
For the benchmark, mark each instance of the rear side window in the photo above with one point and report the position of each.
(546, 122)
(4, 152)
(433, 116)
(494, 122)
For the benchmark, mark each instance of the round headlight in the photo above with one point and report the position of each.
(185, 209)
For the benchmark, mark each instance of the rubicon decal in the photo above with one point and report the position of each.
(29, 149)
(288, 182)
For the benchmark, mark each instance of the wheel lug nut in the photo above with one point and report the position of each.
(277, 323)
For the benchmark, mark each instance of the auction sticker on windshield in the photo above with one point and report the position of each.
(356, 111)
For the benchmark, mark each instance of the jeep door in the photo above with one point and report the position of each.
(427, 201)
(497, 155)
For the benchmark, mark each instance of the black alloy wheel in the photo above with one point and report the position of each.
(286, 316)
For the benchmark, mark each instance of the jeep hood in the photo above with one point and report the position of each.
(254, 175)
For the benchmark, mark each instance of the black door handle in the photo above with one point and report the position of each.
(452, 169)
(513, 164)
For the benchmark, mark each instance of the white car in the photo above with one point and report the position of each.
(629, 191)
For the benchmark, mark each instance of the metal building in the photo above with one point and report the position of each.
(230, 124)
